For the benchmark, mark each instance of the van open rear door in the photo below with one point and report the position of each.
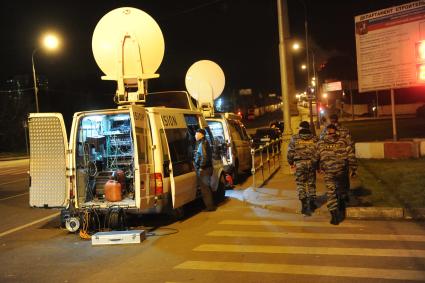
(49, 186)
(143, 167)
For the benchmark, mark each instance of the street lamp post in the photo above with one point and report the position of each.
(34, 77)
(50, 42)
(287, 130)
(316, 91)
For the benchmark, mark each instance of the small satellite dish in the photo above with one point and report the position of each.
(205, 82)
(128, 47)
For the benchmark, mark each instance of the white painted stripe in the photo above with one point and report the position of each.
(28, 224)
(318, 236)
(332, 271)
(14, 196)
(286, 223)
(309, 250)
(16, 181)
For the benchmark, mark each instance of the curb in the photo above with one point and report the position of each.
(375, 213)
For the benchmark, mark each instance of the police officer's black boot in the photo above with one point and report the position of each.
(335, 218)
(305, 210)
(313, 205)
(342, 209)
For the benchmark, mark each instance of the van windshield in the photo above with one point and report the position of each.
(217, 130)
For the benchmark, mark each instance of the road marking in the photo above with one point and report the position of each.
(16, 181)
(318, 236)
(14, 196)
(5, 172)
(268, 249)
(28, 224)
(285, 223)
(18, 173)
(332, 271)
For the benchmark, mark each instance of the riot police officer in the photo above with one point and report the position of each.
(301, 156)
(343, 133)
(334, 154)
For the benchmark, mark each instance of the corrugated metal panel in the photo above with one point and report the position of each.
(48, 145)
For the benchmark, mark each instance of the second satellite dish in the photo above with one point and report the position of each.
(205, 82)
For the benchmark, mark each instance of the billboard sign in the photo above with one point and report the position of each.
(386, 47)
(333, 86)
(245, 91)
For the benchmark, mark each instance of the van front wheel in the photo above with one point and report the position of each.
(235, 173)
(220, 193)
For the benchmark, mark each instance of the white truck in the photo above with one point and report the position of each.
(144, 147)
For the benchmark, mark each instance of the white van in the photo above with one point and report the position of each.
(150, 146)
(230, 133)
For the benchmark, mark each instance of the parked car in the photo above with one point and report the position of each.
(230, 134)
(265, 135)
(277, 124)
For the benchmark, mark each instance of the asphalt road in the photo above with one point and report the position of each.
(236, 243)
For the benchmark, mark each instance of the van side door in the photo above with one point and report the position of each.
(180, 141)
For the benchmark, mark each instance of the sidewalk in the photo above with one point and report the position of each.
(280, 194)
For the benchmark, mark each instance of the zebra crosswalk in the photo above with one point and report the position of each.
(356, 272)
(316, 239)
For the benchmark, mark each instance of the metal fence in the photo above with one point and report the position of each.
(265, 162)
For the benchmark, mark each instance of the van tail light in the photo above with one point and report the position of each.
(157, 180)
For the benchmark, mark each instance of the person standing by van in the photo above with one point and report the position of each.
(204, 170)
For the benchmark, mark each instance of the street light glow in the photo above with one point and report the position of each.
(296, 46)
(51, 41)
(303, 66)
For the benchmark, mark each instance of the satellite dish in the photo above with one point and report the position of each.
(205, 82)
(128, 47)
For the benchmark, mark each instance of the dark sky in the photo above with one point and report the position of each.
(240, 35)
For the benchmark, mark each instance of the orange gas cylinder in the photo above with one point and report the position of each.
(113, 191)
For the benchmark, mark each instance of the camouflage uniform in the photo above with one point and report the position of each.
(335, 154)
(302, 154)
(343, 133)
